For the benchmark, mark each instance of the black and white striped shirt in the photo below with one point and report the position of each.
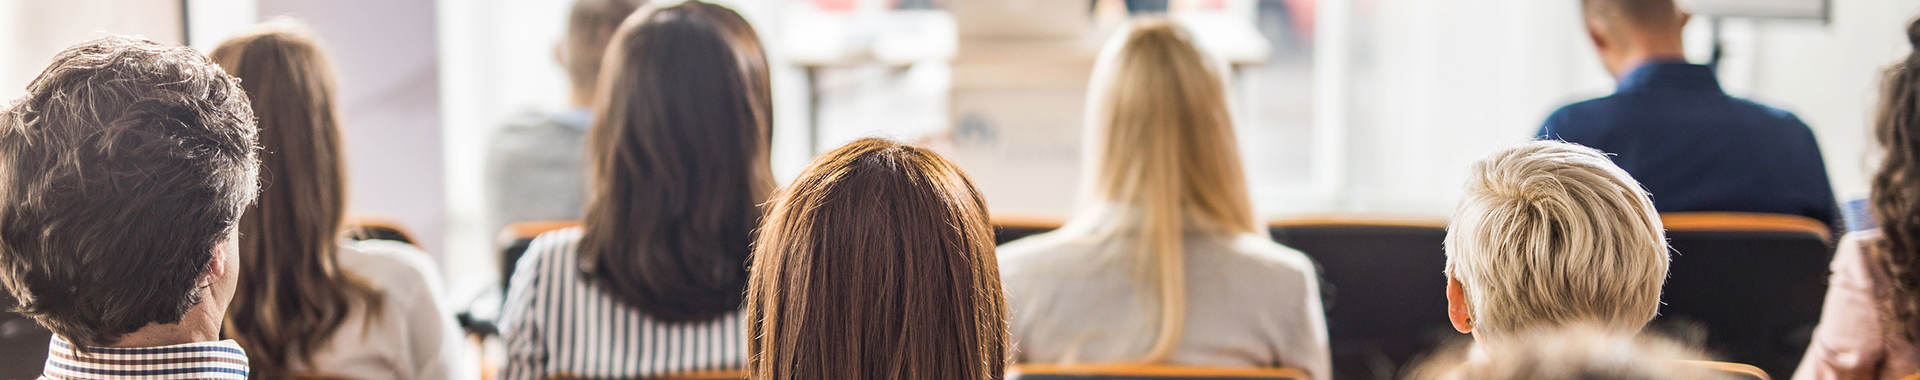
(558, 324)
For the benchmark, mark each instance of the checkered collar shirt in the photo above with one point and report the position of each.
(204, 360)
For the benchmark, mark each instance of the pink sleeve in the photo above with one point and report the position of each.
(1849, 342)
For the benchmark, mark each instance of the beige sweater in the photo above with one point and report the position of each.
(1250, 303)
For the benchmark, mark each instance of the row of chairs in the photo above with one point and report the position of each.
(1747, 287)
(1146, 372)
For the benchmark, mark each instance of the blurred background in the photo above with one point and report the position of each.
(1343, 106)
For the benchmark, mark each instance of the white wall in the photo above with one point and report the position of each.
(32, 31)
(1830, 75)
(387, 58)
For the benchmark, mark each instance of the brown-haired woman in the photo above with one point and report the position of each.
(309, 301)
(877, 263)
(651, 282)
(1871, 320)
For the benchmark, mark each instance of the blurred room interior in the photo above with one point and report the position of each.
(1367, 107)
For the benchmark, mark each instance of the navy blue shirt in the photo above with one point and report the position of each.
(1695, 148)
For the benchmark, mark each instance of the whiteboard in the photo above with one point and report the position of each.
(1789, 9)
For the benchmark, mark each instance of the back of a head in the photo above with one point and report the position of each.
(1551, 233)
(877, 263)
(1159, 132)
(590, 24)
(678, 150)
(292, 294)
(1576, 352)
(1159, 149)
(1659, 16)
(121, 171)
(1895, 199)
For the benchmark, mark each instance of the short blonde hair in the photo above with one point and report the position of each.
(1551, 233)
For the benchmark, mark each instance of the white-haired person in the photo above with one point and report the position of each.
(1549, 234)
(1165, 262)
(1572, 352)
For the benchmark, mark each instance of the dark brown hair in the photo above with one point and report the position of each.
(123, 169)
(679, 162)
(292, 295)
(590, 24)
(1896, 192)
(877, 263)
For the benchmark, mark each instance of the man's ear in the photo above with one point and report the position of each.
(1457, 308)
(1684, 17)
(560, 54)
(225, 257)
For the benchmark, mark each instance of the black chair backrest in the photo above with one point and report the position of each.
(378, 229)
(1006, 230)
(1752, 285)
(1383, 289)
(517, 237)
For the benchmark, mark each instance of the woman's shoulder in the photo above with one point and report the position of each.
(1854, 254)
(561, 245)
(393, 267)
(1260, 249)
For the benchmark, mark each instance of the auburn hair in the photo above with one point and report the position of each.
(1160, 149)
(1896, 192)
(877, 263)
(292, 295)
(678, 153)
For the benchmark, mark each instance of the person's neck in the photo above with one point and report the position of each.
(1651, 51)
(200, 324)
(580, 98)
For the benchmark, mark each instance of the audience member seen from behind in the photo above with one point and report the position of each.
(1550, 234)
(533, 164)
(1872, 315)
(1574, 352)
(1165, 261)
(123, 174)
(1672, 127)
(310, 301)
(877, 263)
(652, 280)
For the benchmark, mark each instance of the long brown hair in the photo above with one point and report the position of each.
(1896, 191)
(679, 161)
(292, 295)
(1160, 149)
(877, 263)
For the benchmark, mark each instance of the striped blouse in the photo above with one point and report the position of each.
(221, 360)
(558, 324)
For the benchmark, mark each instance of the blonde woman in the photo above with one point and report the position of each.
(1552, 234)
(1165, 262)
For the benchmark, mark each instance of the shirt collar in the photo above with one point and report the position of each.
(1670, 74)
(203, 360)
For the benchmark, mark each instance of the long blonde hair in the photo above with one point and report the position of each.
(1160, 149)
